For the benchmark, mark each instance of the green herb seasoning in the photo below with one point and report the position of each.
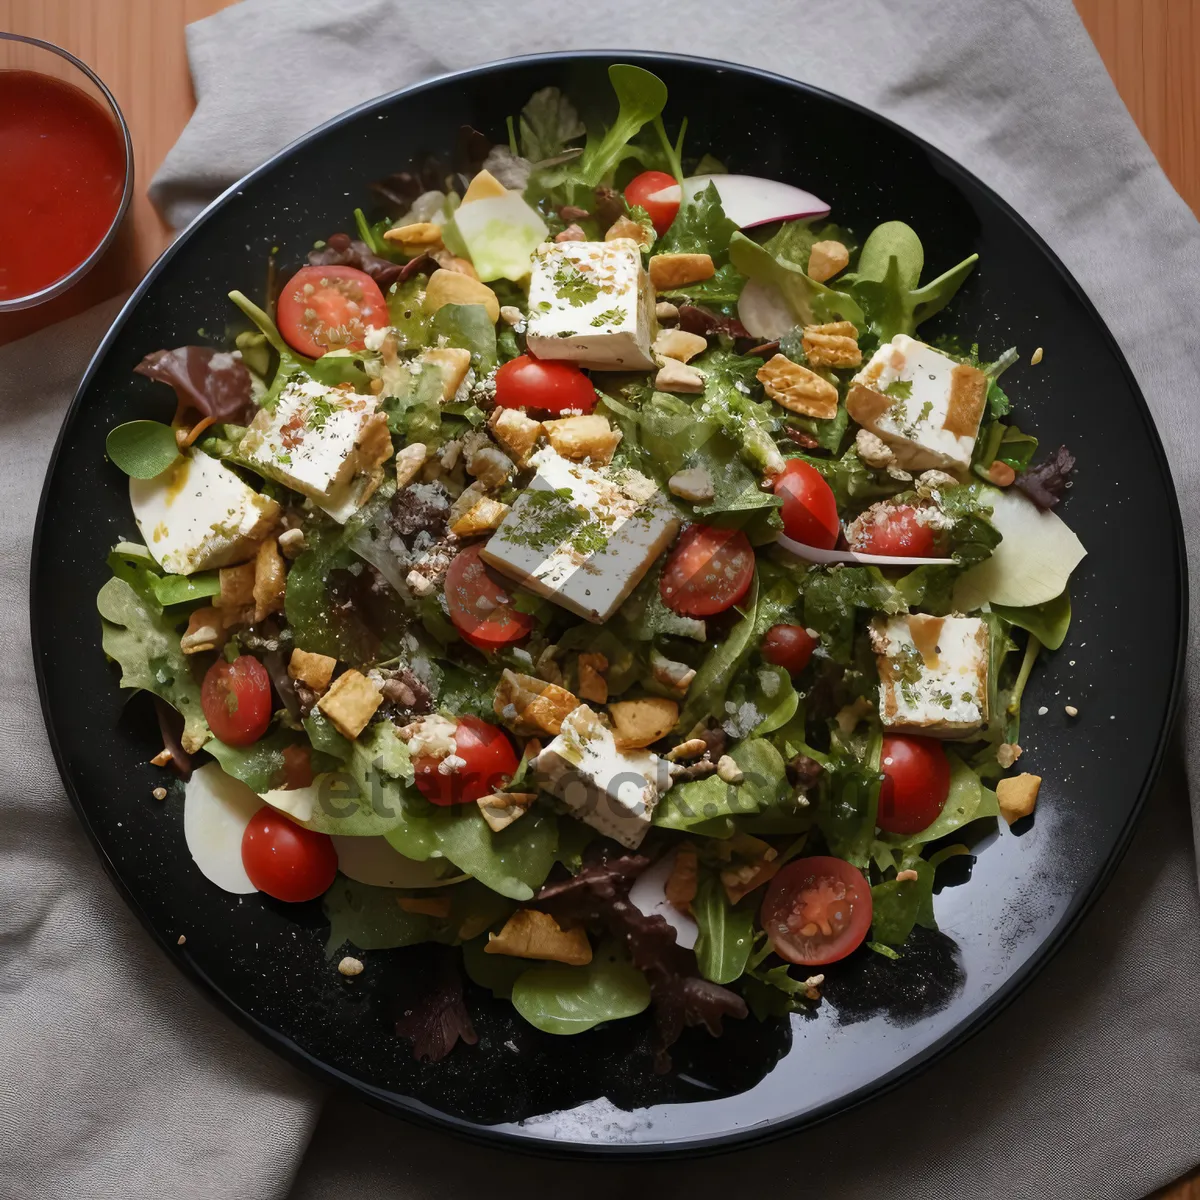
(899, 389)
(571, 285)
(610, 316)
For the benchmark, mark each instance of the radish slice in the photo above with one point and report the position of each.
(648, 895)
(764, 311)
(216, 810)
(829, 557)
(372, 860)
(749, 200)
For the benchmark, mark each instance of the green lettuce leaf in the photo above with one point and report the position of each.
(726, 932)
(700, 227)
(1048, 622)
(548, 125)
(808, 300)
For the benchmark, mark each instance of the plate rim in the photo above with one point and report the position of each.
(506, 1137)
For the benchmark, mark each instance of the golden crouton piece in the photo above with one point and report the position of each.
(592, 684)
(627, 227)
(679, 344)
(426, 906)
(516, 433)
(832, 345)
(270, 578)
(205, 631)
(669, 271)
(579, 438)
(237, 589)
(350, 703)
(483, 515)
(313, 670)
(529, 705)
(639, 723)
(798, 389)
(420, 233)
(1018, 796)
(485, 186)
(826, 259)
(529, 933)
(452, 287)
(501, 809)
(681, 885)
(452, 361)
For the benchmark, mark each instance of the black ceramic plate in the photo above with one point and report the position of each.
(264, 962)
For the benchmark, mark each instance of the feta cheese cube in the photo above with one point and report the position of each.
(925, 406)
(198, 515)
(933, 674)
(613, 791)
(581, 537)
(591, 303)
(309, 442)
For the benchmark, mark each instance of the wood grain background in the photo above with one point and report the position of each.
(1151, 49)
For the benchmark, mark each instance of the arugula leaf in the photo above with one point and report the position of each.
(700, 227)
(848, 803)
(559, 999)
(712, 802)
(142, 449)
(1048, 622)
(726, 933)
(898, 906)
(809, 300)
(548, 125)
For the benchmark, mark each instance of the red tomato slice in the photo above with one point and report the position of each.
(899, 533)
(709, 570)
(916, 783)
(816, 910)
(480, 603)
(529, 382)
(659, 194)
(488, 762)
(809, 510)
(329, 308)
(789, 647)
(236, 698)
(286, 860)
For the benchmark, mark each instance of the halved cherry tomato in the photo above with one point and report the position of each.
(329, 308)
(285, 860)
(236, 698)
(816, 910)
(809, 509)
(529, 382)
(297, 767)
(659, 194)
(488, 762)
(709, 570)
(916, 783)
(789, 647)
(899, 534)
(480, 603)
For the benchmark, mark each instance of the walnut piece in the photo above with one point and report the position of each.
(832, 345)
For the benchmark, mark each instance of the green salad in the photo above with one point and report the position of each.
(586, 566)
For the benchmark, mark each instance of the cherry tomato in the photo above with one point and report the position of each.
(329, 308)
(285, 860)
(529, 382)
(297, 767)
(709, 570)
(480, 603)
(816, 910)
(809, 509)
(789, 647)
(489, 761)
(900, 533)
(236, 698)
(916, 782)
(659, 194)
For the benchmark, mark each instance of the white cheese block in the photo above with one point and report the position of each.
(198, 515)
(613, 791)
(308, 440)
(216, 810)
(580, 537)
(591, 303)
(925, 406)
(933, 674)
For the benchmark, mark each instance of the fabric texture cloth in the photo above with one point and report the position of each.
(118, 1080)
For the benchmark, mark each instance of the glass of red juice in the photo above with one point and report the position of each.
(66, 162)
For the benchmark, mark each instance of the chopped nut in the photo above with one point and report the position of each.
(740, 881)
(692, 748)
(529, 933)
(205, 631)
(450, 262)
(929, 482)
(848, 717)
(798, 389)
(640, 723)
(899, 474)
(811, 984)
(572, 233)
(425, 906)
(1018, 796)
(684, 879)
(492, 467)
(451, 287)
(291, 543)
(627, 227)
(350, 966)
(516, 432)
(1007, 753)
(592, 684)
(501, 809)
(530, 705)
(181, 940)
(590, 437)
(270, 578)
(159, 793)
(702, 768)
(313, 670)
(420, 585)
(1037, 357)
(678, 344)
(665, 311)
(350, 703)
(452, 363)
(728, 771)
(674, 376)
(1071, 710)
(1001, 474)
(833, 345)
(163, 758)
(668, 271)
(510, 314)
(670, 674)
(237, 588)
(826, 259)
(421, 233)
(694, 485)
(906, 876)
(408, 462)
(872, 450)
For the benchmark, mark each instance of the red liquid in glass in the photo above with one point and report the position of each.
(62, 172)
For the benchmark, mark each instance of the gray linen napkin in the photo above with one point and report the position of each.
(117, 1081)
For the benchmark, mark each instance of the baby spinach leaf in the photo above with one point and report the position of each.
(182, 589)
(496, 972)
(324, 738)
(1048, 622)
(775, 685)
(896, 906)
(712, 802)
(142, 449)
(260, 766)
(468, 327)
(556, 998)
(726, 932)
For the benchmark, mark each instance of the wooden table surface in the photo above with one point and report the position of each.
(1151, 49)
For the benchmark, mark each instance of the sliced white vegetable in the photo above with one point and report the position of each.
(828, 557)
(500, 233)
(764, 311)
(648, 895)
(749, 200)
(1030, 566)
(372, 860)
(216, 810)
(298, 803)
